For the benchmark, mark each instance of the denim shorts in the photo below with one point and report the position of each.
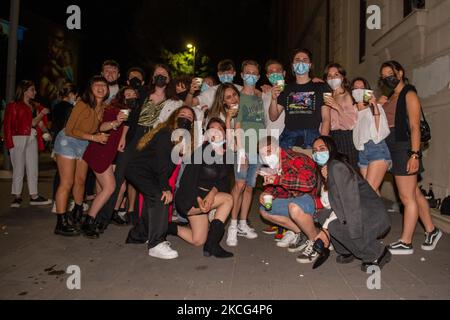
(69, 147)
(374, 152)
(280, 207)
(303, 138)
(249, 174)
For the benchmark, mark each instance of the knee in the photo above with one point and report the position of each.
(295, 210)
(66, 185)
(110, 188)
(228, 200)
(239, 186)
(407, 199)
(198, 242)
(248, 190)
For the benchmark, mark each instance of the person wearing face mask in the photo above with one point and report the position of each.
(68, 96)
(290, 179)
(136, 80)
(306, 114)
(204, 187)
(369, 135)
(141, 120)
(226, 74)
(111, 72)
(250, 118)
(343, 112)
(403, 111)
(149, 173)
(358, 216)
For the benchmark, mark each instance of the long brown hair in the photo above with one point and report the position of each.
(171, 124)
(88, 96)
(23, 86)
(341, 70)
(218, 106)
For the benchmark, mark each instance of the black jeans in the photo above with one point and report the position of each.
(155, 215)
(123, 160)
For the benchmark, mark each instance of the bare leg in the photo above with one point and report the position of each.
(120, 196)
(80, 181)
(407, 189)
(375, 175)
(66, 168)
(424, 211)
(304, 221)
(108, 185)
(237, 194)
(132, 194)
(282, 221)
(246, 202)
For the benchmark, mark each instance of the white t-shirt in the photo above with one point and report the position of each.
(207, 98)
(275, 129)
(366, 130)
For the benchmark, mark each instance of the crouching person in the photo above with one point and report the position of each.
(357, 215)
(290, 180)
(203, 188)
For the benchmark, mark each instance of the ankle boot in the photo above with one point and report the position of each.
(212, 246)
(76, 215)
(172, 229)
(117, 220)
(64, 228)
(89, 228)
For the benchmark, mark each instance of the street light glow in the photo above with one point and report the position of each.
(190, 46)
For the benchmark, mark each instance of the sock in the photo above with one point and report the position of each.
(242, 223)
(234, 223)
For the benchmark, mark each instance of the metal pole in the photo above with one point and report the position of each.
(195, 52)
(11, 62)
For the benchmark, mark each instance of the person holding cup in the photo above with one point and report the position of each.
(100, 158)
(290, 198)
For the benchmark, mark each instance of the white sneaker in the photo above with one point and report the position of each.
(288, 239)
(232, 240)
(163, 251)
(247, 232)
(54, 207)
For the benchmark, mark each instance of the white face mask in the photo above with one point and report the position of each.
(272, 161)
(216, 144)
(358, 95)
(335, 83)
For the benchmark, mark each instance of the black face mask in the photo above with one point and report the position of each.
(184, 123)
(160, 81)
(135, 83)
(391, 82)
(182, 95)
(131, 103)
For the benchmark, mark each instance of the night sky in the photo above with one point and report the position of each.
(134, 31)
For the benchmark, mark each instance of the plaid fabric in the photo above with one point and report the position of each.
(297, 177)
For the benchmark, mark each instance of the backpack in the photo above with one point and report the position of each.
(445, 207)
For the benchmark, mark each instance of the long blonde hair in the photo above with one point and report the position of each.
(218, 106)
(171, 124)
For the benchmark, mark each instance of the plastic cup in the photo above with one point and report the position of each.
(281, 84)
(327, 95)
(368, 94)
(268, 202)
(199, 81)
(126, 112)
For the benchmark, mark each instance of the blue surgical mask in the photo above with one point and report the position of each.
(321, 158)
(301, 68)
(250, 79)
(204, 87)
(275, 77)
(226, 78)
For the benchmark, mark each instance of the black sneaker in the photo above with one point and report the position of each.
(16, 203)
(299, 245)
(308, 255)
(401, 248)
(40, 201)
(431, 240)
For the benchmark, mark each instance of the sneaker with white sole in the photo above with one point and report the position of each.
(431, 240)
(288, 239)
(308, 255)
(163, 251)
(40, 201)
(247, 232)
(232, 240)
(17, 202)
(401, 248)
(299, 245)
(54, 207)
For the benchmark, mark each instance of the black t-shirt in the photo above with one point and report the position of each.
(60, 115)
(303, 105)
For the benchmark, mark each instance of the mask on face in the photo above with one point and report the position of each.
(301, 68)
(358, 95)
(321, 158)
(335, 83)
(160, 81)
(204, 87)
(272, 161)
(135, 83)
(216, 144)
(131, 103)
(184, 123)
(275, 77)
(391, 82)
(250, 80)
(182, 95)
(226, 78)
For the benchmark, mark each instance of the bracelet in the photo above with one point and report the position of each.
(415, 154)
(92, 138)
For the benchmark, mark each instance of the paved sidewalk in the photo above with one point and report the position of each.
(33, 263)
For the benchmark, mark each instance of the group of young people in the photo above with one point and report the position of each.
(181, 157)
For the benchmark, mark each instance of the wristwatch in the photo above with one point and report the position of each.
(415, 154)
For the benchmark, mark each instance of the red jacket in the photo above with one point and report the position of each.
(17, 122)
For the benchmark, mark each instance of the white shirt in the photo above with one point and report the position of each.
(113, 91)
(207, 98)
(366, 130)
(169, 107)
(275, 129)
(326, 203)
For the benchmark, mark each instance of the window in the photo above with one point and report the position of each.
(411, 5)
(362, 30)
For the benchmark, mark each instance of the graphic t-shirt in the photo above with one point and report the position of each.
(303, 105)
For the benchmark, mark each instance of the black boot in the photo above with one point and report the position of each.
(117, 220)
(64, 228)
(172, 229)
(89, 228)
(212, 246)
(76, 215)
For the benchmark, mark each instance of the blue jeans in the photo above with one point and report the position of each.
(280, 207)
(288, 138)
